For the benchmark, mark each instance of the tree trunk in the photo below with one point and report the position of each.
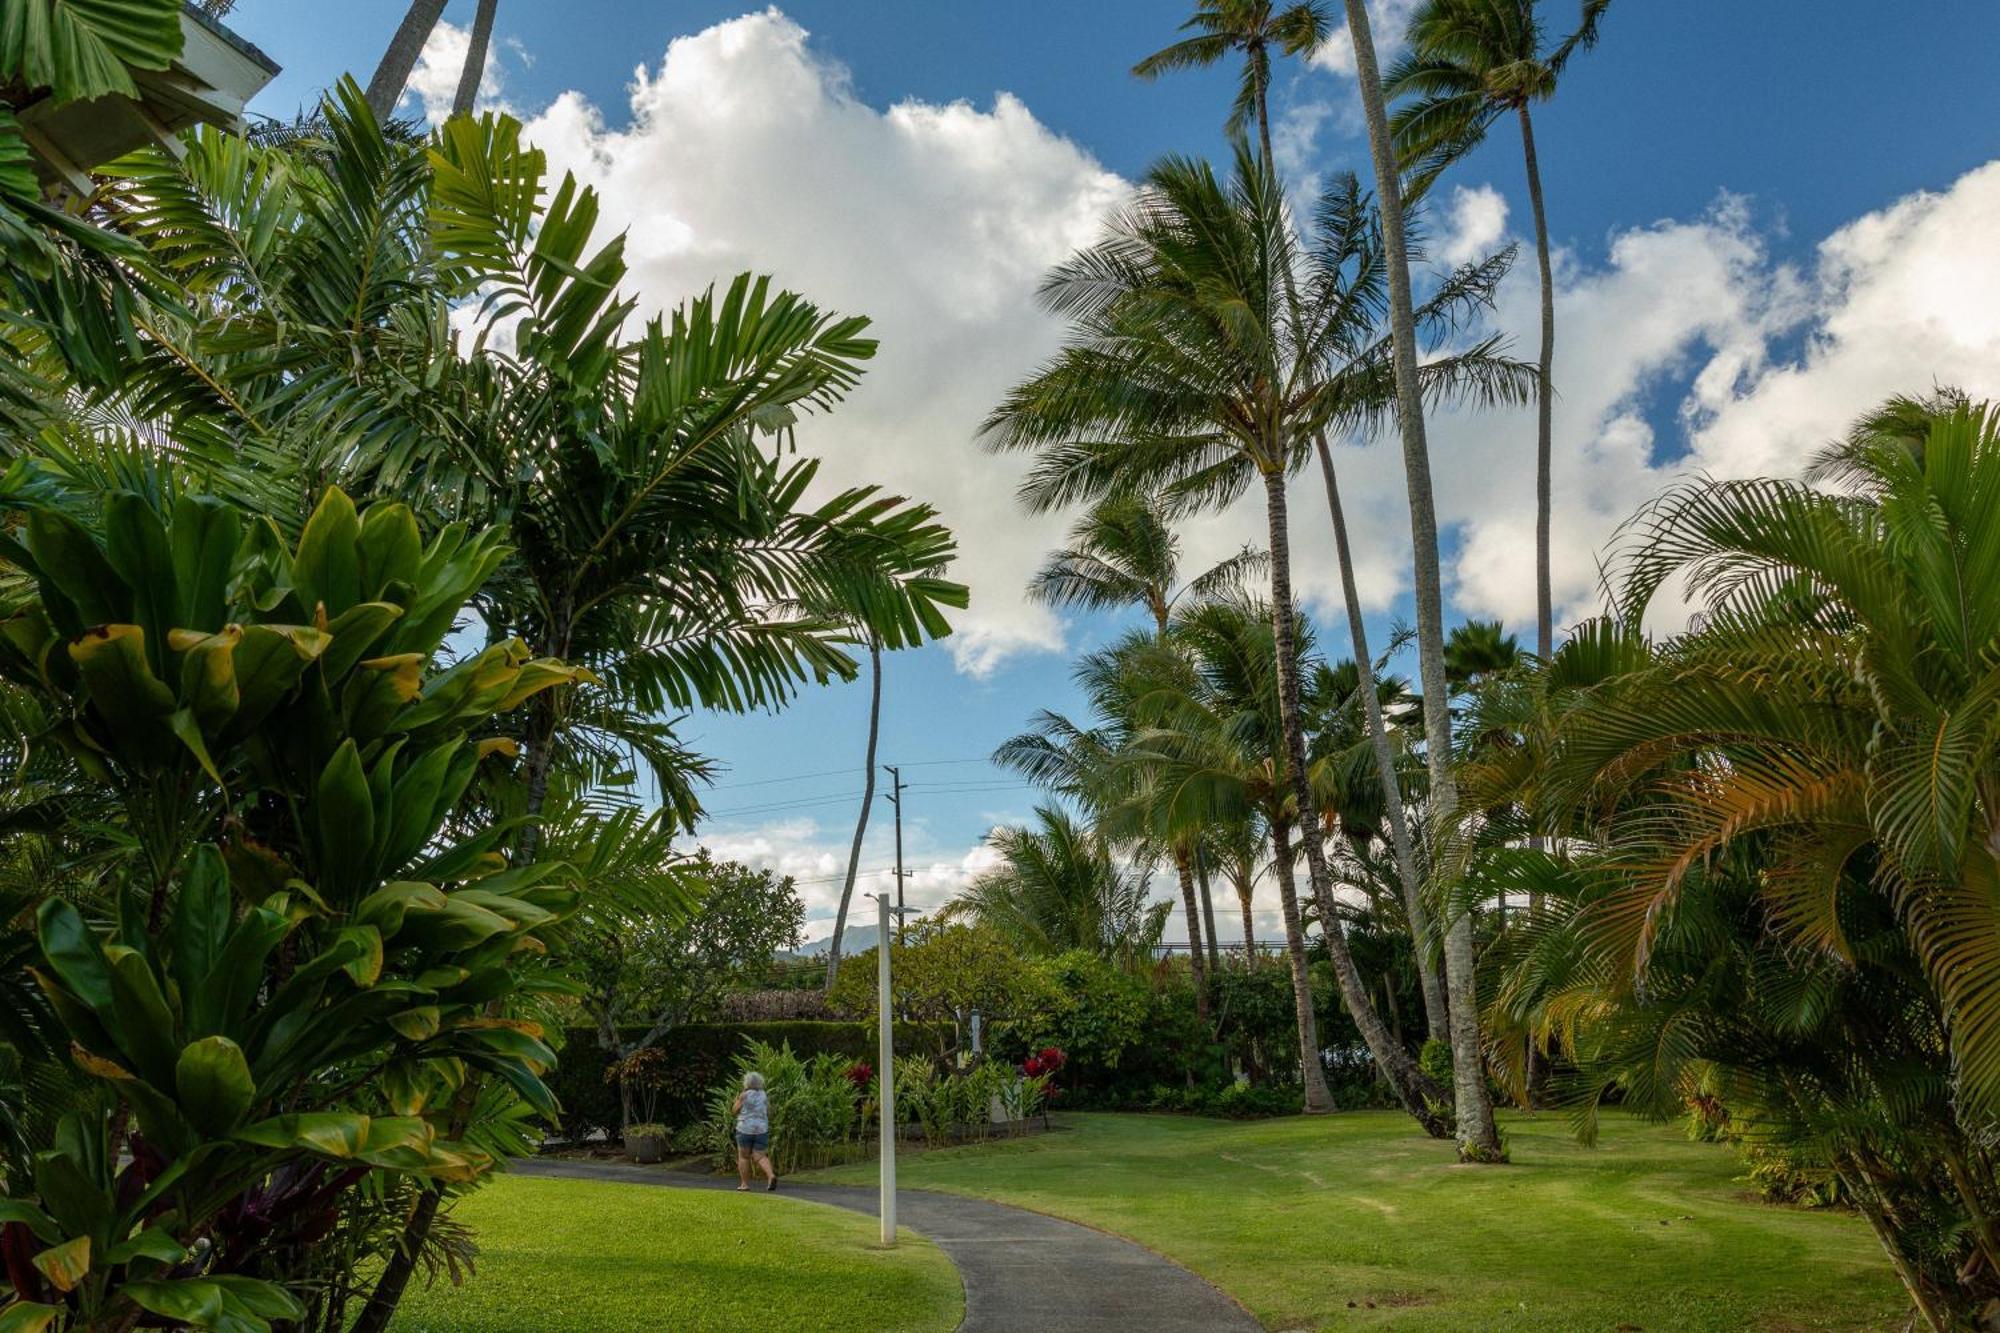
(1437, 1020)
(1478, 1137)
(475, 59)
(1544, 393)
(1544, 480)
(385, 89)
(867, 804)
(1318, 1100)
(1244, 887)
(1184, 868)
(1412, 1088)
(1207, 909)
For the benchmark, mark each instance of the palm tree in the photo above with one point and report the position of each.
(1187, 373)
(867, 804)
(1774, 870)
(1235, 847)
(1123, 552)
(1060, 887)
(1253, 27)
(392, 75)
(1205, 749)
(1469, 63)
(1355, 740)
(475, 58)
(1478, 1136)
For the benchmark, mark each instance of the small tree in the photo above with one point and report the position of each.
(659, 973)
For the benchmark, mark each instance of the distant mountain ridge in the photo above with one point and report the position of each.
(853, 940)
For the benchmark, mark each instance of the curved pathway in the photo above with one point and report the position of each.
(1023, 1272)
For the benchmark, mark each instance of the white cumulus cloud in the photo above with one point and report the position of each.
(748, 150)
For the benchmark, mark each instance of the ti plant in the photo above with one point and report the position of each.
(306, 947)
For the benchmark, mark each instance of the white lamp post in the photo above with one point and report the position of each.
(888, 1070)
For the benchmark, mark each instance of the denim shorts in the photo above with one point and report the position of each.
(758, 1142)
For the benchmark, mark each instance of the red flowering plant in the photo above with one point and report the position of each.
(861, 1074)
(1045, 1064)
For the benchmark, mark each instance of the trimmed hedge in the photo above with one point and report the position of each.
(698, 1057)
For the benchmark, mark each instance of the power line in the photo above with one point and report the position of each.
(842, 772)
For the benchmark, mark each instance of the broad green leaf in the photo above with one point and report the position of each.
(213, 1081)
(208, 674)
(135, 544)
(73, 952)
(66, 1264)
(269, 662)
(194, 1300)
(326, 569)
(29, 1317)
(69, 560)
(81, 49)
(144, 1025)
(391, 548)
(31, 1217)
(355, 631)
(345, 814)
(122, 686)
(203, 914)
(155, 1243)
(205, 535)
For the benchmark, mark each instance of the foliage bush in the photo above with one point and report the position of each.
(694, 1059)
(815, 1109)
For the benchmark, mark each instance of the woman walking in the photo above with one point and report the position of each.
(753, 1132)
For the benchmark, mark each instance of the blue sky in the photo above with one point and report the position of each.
(1696, 165)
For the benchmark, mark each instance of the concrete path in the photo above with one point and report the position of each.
(1023, 1272)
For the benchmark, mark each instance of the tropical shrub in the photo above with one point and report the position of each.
(814, 1106)
(292, 957)
(1777, 882)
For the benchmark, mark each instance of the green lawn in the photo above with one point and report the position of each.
(567, 1255)
(1356, 1221)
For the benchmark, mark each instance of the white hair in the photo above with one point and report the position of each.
(753, 1081)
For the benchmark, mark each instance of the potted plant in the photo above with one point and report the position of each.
(646, 1143)
(639, 1076)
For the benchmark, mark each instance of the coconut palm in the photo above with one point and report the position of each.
(1206, 748)
(1478, 1136)
(1123, 552)
(1469, 63)
(1255, 28)
(1190, 370)
(1061, 886)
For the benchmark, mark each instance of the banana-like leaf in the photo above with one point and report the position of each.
(212, 1080)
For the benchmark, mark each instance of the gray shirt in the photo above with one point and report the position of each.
(753, 1114)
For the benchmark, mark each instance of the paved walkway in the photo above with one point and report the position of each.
(1023, 1272)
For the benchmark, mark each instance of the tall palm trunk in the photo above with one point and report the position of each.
(1478, 1137)
(1410, 1086)
(1244, 886)
(1318, 1099)
(1544, 392)
(1437, 1018)
(475, 59)
(385, 89)
(1544, 480)
(1184, 868)
(867, 804)
(1201, 878)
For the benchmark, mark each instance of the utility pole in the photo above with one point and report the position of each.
(895, 797)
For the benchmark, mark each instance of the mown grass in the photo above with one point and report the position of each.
(1357, 1222)
(569, 1256)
